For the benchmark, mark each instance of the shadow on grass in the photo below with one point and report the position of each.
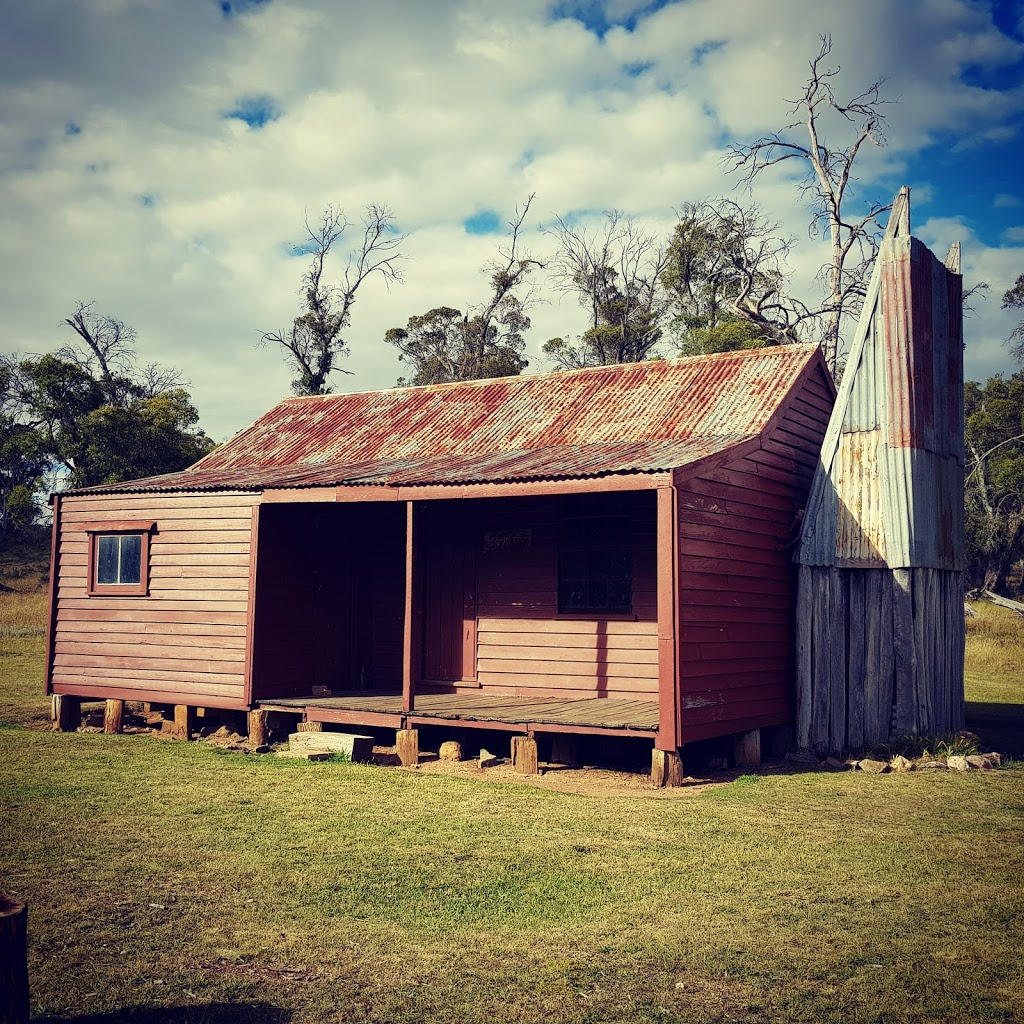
(203, 1013)
(1000, 725)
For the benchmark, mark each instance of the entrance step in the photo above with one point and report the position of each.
(356, 748)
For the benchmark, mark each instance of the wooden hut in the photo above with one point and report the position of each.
(881, 642)
(604, 551)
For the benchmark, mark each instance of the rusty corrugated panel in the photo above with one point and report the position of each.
(574, 424)
(553, 463)
(889, 487)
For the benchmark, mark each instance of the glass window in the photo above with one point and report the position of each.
(595, 565)
(119, 559)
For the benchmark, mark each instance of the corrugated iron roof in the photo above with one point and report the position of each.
(555, 463)
(632, 418)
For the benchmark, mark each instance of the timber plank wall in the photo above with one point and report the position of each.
(186, 641)
(524, 646)
(737, 584)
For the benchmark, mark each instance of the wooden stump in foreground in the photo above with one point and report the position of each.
(524, 755)
(407, 746)
(13, 962)
(113, 716)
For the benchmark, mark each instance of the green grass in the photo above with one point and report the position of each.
(173, 882)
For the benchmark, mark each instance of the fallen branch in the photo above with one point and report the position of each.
(1005, 602)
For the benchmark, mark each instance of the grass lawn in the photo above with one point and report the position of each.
(171, 882)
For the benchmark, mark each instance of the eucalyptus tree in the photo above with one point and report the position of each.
(315, 341)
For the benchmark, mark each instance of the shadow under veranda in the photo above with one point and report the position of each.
(201, 1013)
(1001, 726)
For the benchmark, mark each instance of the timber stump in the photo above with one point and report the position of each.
(13, 961)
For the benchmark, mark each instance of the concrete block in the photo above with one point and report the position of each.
(356, 748)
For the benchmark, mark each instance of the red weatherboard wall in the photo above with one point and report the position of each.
(185, 641)
(524, 646)
(737, 583)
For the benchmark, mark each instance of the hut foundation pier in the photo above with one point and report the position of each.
(66, 712)
(666, 768)
(747, 749)
(407, 746)
(113, 716)
(524, 755)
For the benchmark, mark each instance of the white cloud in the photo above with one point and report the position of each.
(437, 110)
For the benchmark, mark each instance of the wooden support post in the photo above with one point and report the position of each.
(259, 728)
(13, 961)
(666, 768)
(113, 716)
(66, 711)
(565, 749)
(407, 746)
(310, 727)
(669, 724)
(184, 721)
(747, 749)
(524, 755)
(411, 616)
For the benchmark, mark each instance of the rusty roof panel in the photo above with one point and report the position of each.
(553, 463)
(889, 487)
(636, 417)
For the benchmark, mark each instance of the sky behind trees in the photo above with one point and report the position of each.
(157, 156)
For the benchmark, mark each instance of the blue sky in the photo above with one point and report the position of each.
(159, 156)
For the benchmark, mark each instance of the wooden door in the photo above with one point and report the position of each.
(449, 597)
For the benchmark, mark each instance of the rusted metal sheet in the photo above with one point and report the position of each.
(633, 418)
(555, 463)
(889, 486)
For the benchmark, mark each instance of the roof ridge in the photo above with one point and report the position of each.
(750, 353)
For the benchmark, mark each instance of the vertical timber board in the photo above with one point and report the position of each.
(904, 697)
(886, 657)
(669, 670)
(804, 656)
(953, 651)
(837, 657)
(872, 633)
(821, 631)
(925, 628)
(857, 658)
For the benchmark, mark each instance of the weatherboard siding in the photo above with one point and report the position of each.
(525, 648)
(185, 642)
(737, 584)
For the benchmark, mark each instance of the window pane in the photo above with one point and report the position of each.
(106, 559)
(131, 559)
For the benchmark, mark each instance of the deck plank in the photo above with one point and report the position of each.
(593, 712)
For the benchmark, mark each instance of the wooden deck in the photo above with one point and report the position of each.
(593, 715)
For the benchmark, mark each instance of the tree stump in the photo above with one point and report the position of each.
(113, 716)
(666, 768)
(524, 755)
(407, 746)
(13, 962)
(310, 727)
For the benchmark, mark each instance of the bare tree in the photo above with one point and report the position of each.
(444, 345)
(826, 186)
(615, 271)
(109, 358)
(314, 341)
